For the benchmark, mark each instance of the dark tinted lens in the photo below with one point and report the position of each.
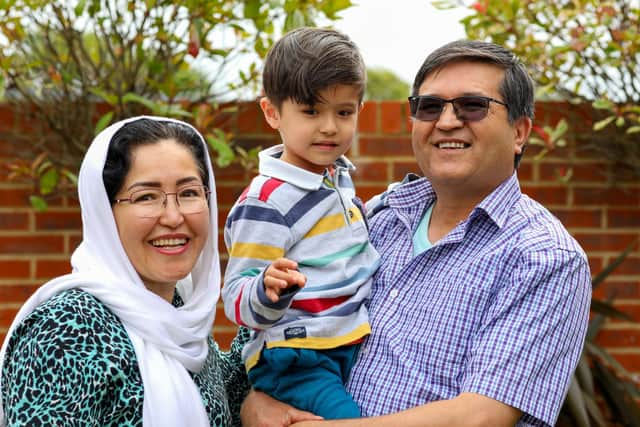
(428, 108)
(471, 108)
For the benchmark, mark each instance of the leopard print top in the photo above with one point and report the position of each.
(71, 363)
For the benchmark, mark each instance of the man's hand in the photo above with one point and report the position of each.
(261, 410)
(282, 274)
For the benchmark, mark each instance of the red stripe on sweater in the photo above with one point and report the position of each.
(269, 187)
(319, 304)
(239, 321)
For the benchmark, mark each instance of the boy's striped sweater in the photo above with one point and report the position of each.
(314, 220)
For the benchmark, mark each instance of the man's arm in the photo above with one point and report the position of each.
(467, 409)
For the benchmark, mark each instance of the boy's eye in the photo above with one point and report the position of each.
(310, 111)
(345, 113)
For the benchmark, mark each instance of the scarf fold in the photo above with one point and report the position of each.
(169, 342)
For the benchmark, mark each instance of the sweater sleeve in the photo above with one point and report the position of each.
(256, 234)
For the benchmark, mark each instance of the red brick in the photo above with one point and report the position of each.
(619, 337)
(14, 269)
(58, 220)
(371, 171)
(578, 172)
(227, 195)
(608, 196)
(6, 316)
(31, 244)
(74, 241)
(557, 153)
(525, 171)
(595, 264)
(224, 337)
(579, 218)
(14, 221)
(368, 118)
(383, 147)
(366, 192)
(18, 197)
(547, 195)
(630, 310)
(629, 267)
(623, 218)
(393, 117)
(222, 320)
(618, 290)
(47, 269)
(400, 169)
(249, 118)
(604, 242)
(16, 293)
(631, 362)
(233, 172)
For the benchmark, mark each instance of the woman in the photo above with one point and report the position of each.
(125, 338)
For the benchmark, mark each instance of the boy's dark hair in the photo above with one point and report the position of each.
(144, 132)
(307, 60)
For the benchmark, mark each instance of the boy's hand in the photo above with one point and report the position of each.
(282, 274)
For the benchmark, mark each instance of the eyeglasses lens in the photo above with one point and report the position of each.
(150, 203)
(466, 108)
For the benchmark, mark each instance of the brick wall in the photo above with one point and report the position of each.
(604, 218)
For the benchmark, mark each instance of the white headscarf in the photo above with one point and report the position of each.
(168, 341)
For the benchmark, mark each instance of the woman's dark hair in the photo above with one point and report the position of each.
(142, 132)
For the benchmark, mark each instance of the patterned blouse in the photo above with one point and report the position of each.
(71, 362)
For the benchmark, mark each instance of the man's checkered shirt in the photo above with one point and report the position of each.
(498, 307)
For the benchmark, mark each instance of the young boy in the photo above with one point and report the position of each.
(300, 261)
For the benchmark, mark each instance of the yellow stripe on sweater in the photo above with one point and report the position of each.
(326, 224)
(256, 251)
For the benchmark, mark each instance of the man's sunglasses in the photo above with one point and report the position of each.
(466, 108)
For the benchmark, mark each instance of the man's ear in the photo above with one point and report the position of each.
(522, 129)
(270, 111)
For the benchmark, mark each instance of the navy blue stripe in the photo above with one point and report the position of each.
(305, 204)
(258, 318)
(256, 213)
(281, 304)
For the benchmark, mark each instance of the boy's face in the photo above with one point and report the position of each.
(314, 136)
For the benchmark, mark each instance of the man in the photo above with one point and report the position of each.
(480, 306)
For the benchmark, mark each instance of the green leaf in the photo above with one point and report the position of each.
(224, 152)
(633, 129)
(105, 96)
(601, 124)
(602, 104)
(72, 177)
(48, 181)
(103, 122)
(252, 9)
(620, 121)
(38, 203)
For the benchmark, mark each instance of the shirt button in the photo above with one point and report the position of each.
(393, 293)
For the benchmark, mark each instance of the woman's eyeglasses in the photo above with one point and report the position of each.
(466, 108)
(150, 202)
